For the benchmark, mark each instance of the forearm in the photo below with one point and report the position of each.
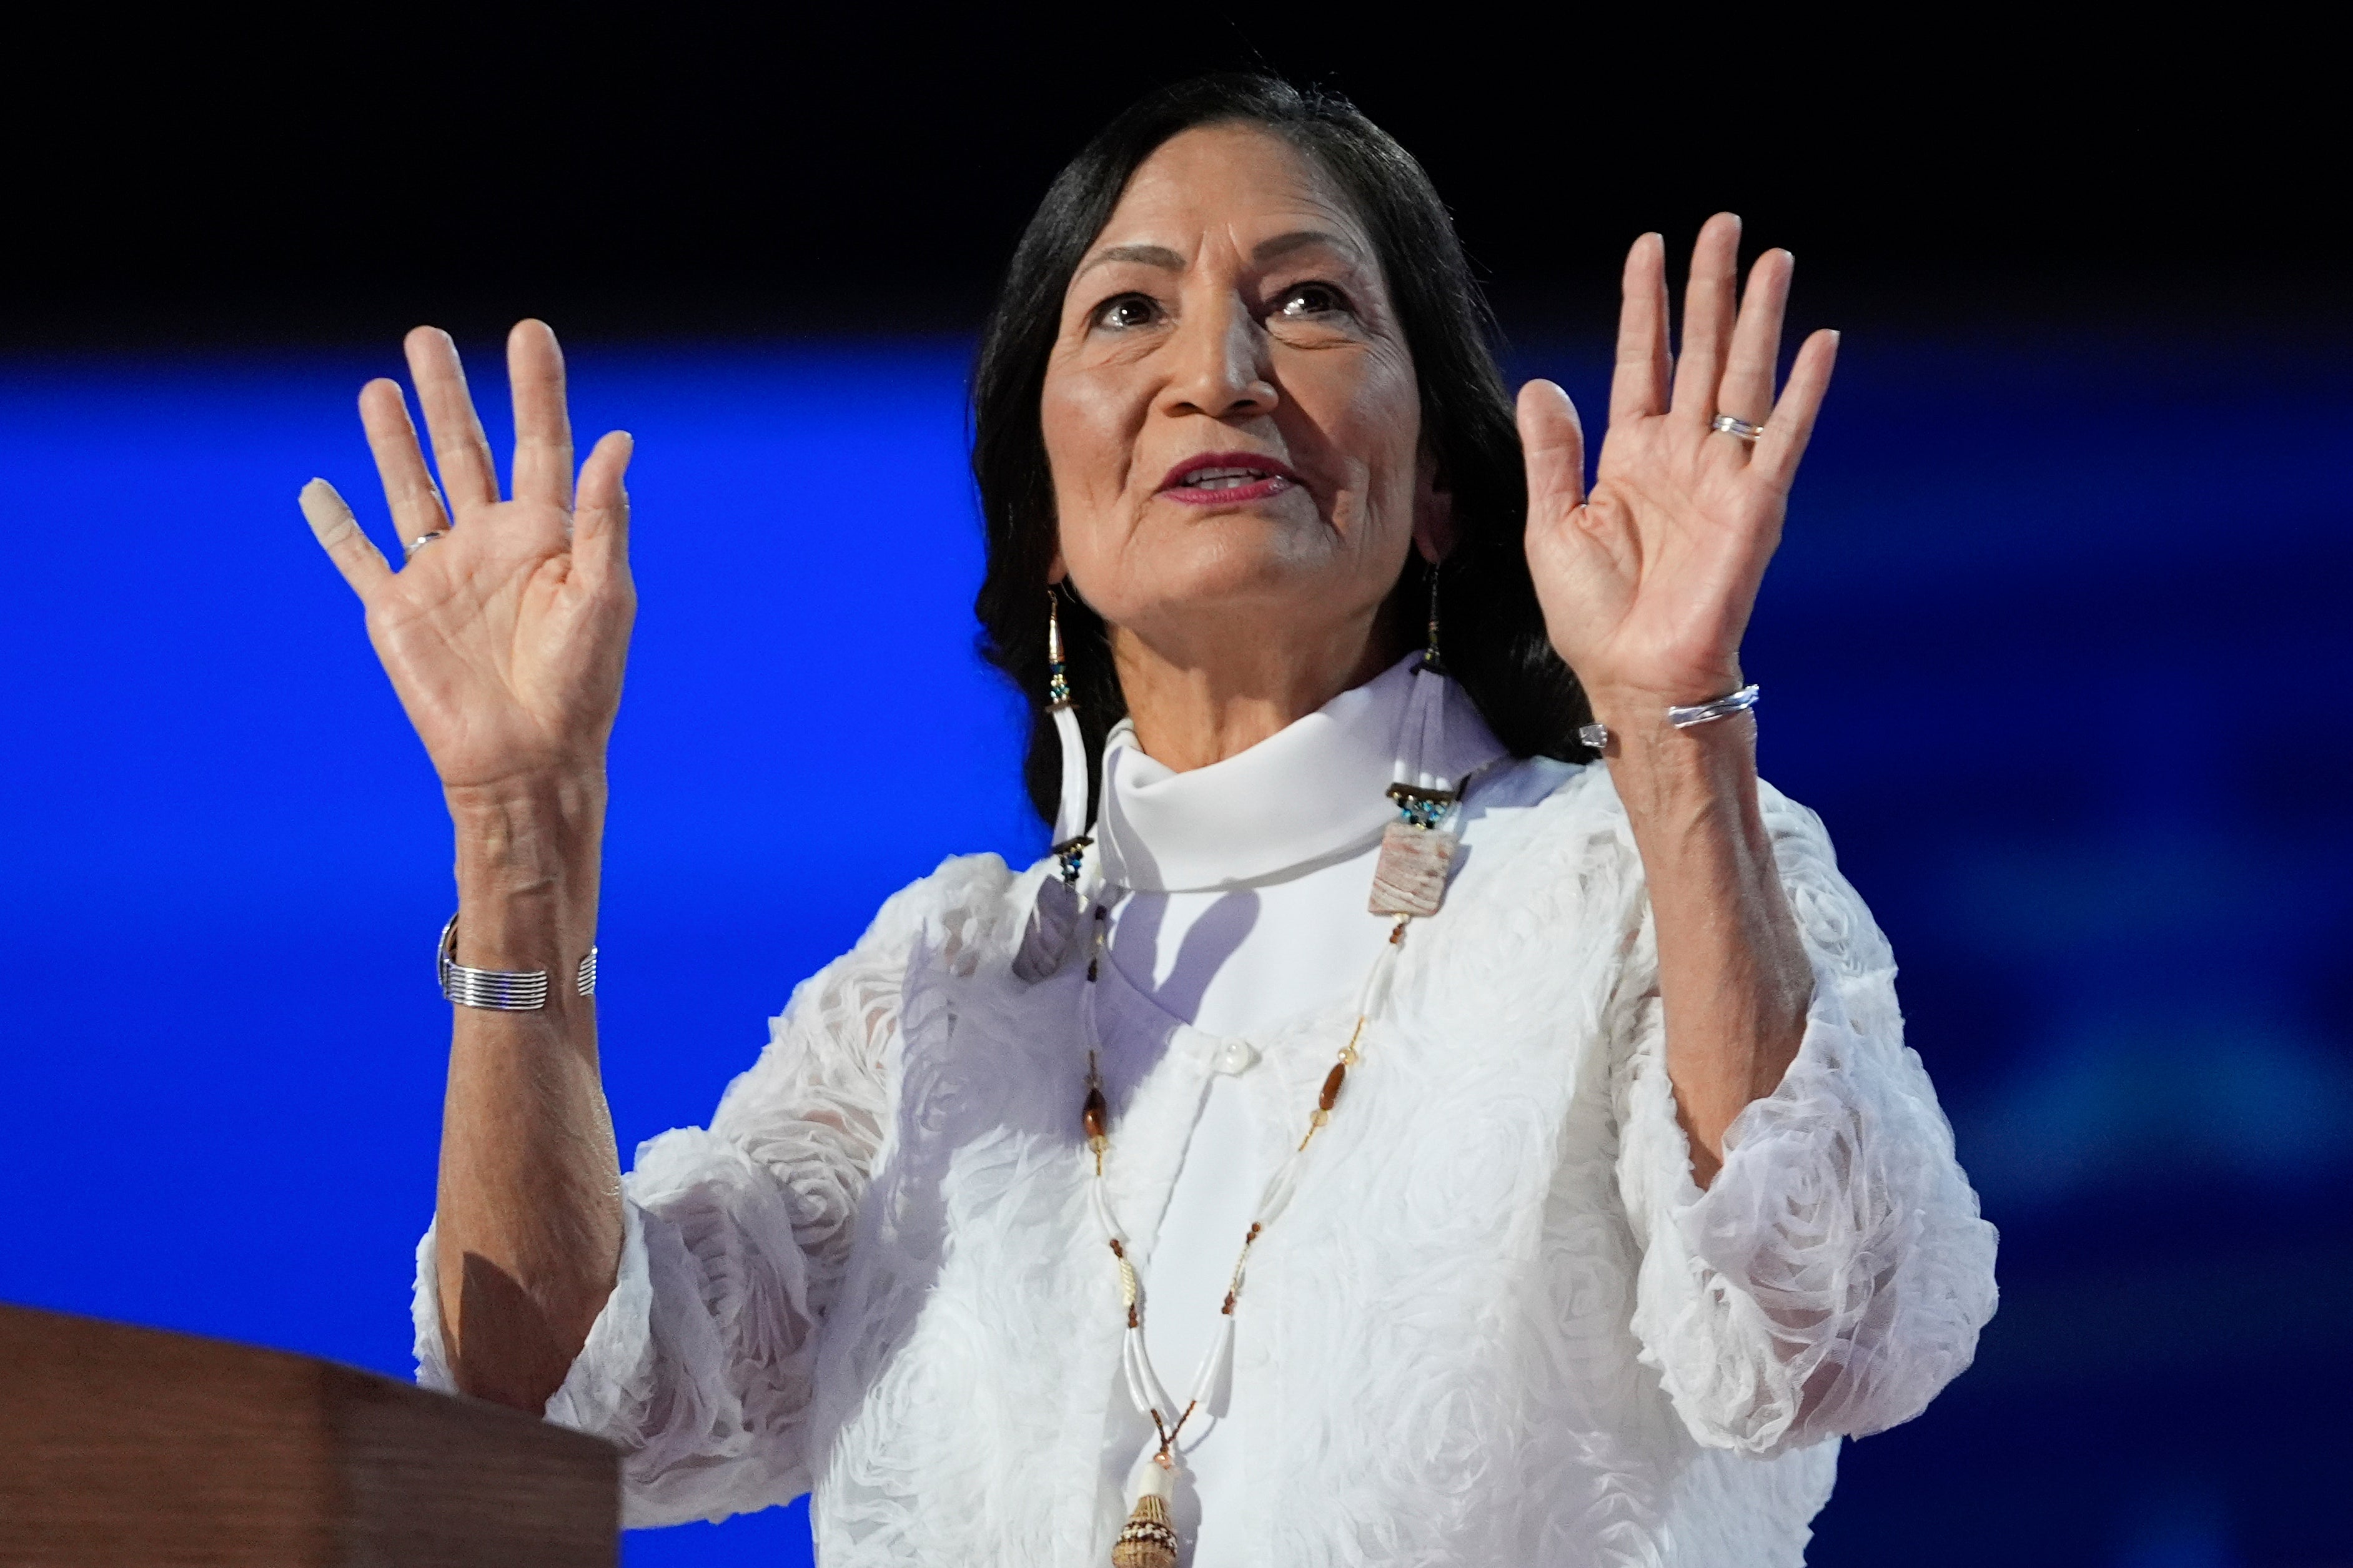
(529, 1227)
(1734, 981)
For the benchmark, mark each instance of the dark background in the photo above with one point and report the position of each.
(2053, 643)
(711, 171)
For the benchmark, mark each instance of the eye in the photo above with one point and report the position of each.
(1305, 300)
(1125, 312)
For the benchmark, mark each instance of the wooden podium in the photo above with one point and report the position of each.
(128, 1447)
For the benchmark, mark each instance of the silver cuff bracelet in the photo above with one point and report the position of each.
(1740, 701)
(502, 990)
(1597, 735)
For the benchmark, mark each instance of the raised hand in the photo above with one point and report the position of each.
(505, 634)
(506, 631)
(1647, 582)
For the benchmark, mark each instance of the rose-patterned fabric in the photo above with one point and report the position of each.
(1498, 1324)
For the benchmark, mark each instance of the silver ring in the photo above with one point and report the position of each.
(1740, 428)
(420, 541)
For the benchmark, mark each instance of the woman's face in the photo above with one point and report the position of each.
(1230, 411)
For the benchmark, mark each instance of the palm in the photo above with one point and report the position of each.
(1647, 582)
(504, 635)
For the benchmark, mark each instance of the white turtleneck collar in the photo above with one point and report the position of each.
(1314, 790)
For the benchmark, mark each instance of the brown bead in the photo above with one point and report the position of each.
(1097, 1115)
(1332, 1082)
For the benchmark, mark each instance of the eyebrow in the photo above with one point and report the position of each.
(1160, 256)
(1148, 254)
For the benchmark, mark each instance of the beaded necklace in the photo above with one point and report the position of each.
(1408, 881)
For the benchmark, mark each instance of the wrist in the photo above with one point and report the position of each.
(527, 864)
(1661, 766)
(1655, 762)
(1680, 775)
(1629, 707)
(533, 811)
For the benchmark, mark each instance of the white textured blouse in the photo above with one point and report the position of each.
(1497, 1322)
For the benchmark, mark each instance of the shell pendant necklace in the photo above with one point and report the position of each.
(1410, 877)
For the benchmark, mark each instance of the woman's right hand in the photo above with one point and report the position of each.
(506, 633)
(505, 636)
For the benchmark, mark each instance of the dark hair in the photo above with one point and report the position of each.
(1493, 631)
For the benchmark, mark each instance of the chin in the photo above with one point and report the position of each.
(1275, 562)
(1249, 578)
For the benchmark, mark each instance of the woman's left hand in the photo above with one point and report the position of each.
(1647, 582)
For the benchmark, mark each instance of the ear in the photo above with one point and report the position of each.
(1057, 570)
(1433, 511)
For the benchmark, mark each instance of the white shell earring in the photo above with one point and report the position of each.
(1418, 849)
(1071, 839)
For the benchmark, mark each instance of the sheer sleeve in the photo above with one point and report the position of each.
(701, 1363)
(1835, 1275)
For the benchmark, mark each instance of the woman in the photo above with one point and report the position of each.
(1583, 1188)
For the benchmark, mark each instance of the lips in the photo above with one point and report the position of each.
(1228, 478)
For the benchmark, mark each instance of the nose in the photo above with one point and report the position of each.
(1220, 364)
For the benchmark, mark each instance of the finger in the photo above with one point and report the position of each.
(1554, 441)
(1707, 317)
(1791, 425)
(346, 543)
(459, 448)
(1747, 392)
(409, 485)
(542, 460)
(600, 528)
(1644, 362)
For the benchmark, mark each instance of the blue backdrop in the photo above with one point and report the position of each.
(2056, 643)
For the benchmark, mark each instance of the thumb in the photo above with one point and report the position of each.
(1554, 443)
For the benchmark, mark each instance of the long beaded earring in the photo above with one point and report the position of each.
(1071, 839)
(1430, 660)
(1418, 849)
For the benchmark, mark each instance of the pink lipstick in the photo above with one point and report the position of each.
(1228, 478)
